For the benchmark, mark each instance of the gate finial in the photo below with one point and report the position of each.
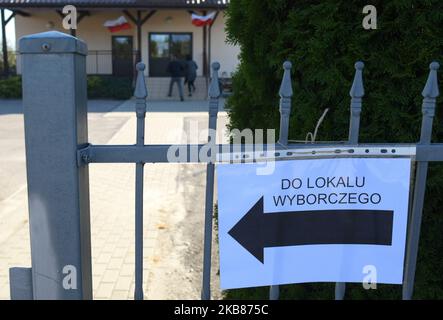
(140, 87)
(286, 84)
(357, 89)
(285, 103)
(430, 94)
(431, 89)
(214, 88)
(357, 92)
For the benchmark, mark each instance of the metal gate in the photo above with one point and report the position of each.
(58, 154)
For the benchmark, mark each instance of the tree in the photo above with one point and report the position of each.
(323, 39)
(11, 59)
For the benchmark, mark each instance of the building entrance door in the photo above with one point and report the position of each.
(122, 56)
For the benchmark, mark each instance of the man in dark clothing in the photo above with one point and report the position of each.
(190, 74)
(176, 69)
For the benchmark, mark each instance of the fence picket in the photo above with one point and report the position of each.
(286, 94)
(140, 94)
(430, 94)
(357, 93)
(214, 95)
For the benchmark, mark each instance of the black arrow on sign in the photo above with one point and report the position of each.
(258, 230)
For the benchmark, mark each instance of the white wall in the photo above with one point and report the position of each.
(91, 30)
(222, 52)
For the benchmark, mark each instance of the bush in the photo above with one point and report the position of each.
(99, 87)
(109, 87)
(11, 88)
(324, 39)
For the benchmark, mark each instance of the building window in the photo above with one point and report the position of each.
(163, 46)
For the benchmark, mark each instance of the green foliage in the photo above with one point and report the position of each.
(109, 87)
(11, 88)
(99, 87)
(323, 39)
(12, 57)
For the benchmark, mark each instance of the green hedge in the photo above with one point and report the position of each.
(324, 39)
(109, 87)
(99, 87)
(11, 88)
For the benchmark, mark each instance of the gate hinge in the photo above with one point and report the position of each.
(83, 156)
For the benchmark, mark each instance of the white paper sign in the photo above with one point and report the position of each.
(322, 220)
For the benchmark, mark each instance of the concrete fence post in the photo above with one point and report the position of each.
(55, 113)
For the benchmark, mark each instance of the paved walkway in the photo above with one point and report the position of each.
(174, 203)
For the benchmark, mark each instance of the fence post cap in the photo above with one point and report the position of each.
(286, 84)
(357, 89)
(215, 66)
(359, 65)
(431, 88)
(214, 87)
(434, 65)
(140, 66)
(140, 92)
(52, 42)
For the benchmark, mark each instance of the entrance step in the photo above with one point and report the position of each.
(158, 89)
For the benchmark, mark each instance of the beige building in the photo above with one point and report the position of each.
(159, 29)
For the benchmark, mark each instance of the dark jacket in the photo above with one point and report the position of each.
(190, 70)
(175, 69)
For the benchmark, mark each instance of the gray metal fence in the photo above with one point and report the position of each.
(58, 154)
(98, 62)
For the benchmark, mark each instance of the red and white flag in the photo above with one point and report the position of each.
(200, 21)
(117, 24)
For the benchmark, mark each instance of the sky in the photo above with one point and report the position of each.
(10, 31)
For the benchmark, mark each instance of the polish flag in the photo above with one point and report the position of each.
(117, 24)
(200, 21)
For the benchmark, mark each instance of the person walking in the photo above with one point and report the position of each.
(190, 74)
(176, 69)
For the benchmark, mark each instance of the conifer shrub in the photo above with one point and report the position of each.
(323, 40)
